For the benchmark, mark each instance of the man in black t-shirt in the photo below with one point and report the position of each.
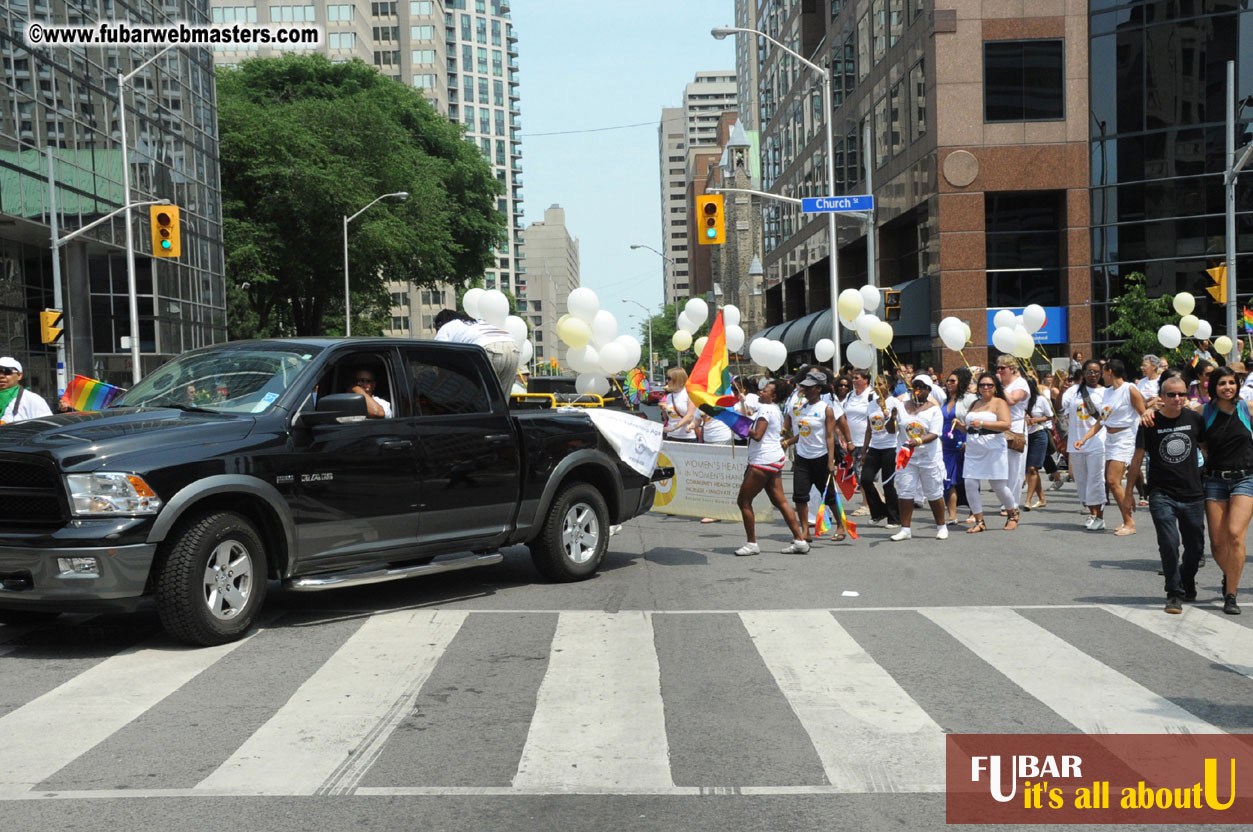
(1176, 492)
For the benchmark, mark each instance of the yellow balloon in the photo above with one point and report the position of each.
(682, 340)
(1222, 344)
(574, 332)
(881, 335)
(969, 333)
(1184, 303)
(1188, 325)
(699, 346)
(850, 304)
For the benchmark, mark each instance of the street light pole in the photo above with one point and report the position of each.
(664, 276)
(401, 195)
(649, 318)
(1230, 176)
(721, 32)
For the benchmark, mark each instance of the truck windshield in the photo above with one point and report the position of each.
(244, 379)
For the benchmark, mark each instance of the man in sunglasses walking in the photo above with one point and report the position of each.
(16, 402)
(1176, 491)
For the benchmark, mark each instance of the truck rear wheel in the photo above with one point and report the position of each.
(213, 580)
(575, 535)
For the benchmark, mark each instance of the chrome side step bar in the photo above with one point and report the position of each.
(335, 580)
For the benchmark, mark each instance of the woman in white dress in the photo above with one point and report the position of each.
(987, 455)
(1121, 409)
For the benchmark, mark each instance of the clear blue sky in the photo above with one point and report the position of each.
(585, 65)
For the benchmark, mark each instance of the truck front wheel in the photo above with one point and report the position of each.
(575, 535)
(213, 580)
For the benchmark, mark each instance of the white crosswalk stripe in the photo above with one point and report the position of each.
(600, 722)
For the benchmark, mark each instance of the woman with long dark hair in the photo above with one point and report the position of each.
(1228, 442)
(987, 454)
(956, 400)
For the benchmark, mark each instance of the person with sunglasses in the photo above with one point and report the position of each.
(17, 403)
(1228, 442)
(363, 385)
(1171, 440)
(987, 455)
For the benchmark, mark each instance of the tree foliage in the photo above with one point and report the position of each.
(305, 142)
(1136, 319)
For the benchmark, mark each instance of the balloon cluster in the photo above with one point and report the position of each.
(1014, 334)
(1190, 326)
(492, 306)
(955, 333)
(693, 317)
(856, 308)
(768, 353)
(596, 348)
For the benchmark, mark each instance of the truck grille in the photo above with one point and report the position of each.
(30, 493)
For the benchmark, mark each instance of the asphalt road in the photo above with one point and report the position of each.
(682, 688)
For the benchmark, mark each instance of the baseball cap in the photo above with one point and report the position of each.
(813, 379)
(7, 361)
(922, 381)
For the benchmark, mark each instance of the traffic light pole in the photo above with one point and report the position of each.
(1230, 176)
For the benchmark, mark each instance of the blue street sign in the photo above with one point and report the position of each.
(1056, 329)
(836, 204)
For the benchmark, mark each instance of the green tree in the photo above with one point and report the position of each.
(1136, 319)
(305, 142)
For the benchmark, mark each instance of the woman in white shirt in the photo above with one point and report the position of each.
(1039, 424)
(678, 414)
(879, 452)
(765, 471)
(920, 422)
(856, 403)
(814, 425)
(1016, 394)
(987, 457)
(1121, 409)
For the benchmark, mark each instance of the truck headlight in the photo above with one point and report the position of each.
(99, 494)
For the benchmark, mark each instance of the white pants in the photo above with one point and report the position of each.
(1017, 475)
(1089, 471)
(921, 482)
(975, 500)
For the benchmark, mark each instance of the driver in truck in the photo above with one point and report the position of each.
(363, 384)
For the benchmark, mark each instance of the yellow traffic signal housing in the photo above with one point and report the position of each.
(711, 220)
(166, 237)
(50, 330)
(1219, 290)
(891, 305)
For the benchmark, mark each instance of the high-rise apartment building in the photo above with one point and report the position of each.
(552, 261)
(746, 66)
(463, 55)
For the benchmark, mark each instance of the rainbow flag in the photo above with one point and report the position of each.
(637, 386)
(1247, 319)
(830, 511)
(709, 385)
(842, 517)
(86, 394)
(822, 524)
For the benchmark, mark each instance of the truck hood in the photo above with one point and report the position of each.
(78, 438)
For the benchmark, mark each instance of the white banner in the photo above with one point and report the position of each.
(636, 440)
(706, 482)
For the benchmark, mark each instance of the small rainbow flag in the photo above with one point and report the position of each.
(1247, 319)
(637, 386)
(86, 394)
(846, 524)
(822, 524)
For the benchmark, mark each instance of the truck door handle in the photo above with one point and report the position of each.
(497, 438)
(396, 445)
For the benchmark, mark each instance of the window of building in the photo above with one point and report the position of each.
(386, 33)
(918, 99)
(483, 91)
(400, 322)
(428, 322)
(470, 117)
(234, 14)
(400, 298)
(482, 61)
(881, 133)
(342, 40)
(863, 46)
(1023, 238)
(495, 33)
(498, 93)
(423, 56)
(1022, 80)
(433, 297)
(480, 30)
(425, 81)
(292, 14)
(879, 21)
(419, 8)
(896, 112)
(500, 122)
(383, 9)
(421, 32)
(341, 13)
(497, 66)
(896, 21)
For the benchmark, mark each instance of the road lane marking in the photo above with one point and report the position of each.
(1092, 696)
(1210, 636)
(47, 733)
(599, 722)
(870, 735)
(343, 713)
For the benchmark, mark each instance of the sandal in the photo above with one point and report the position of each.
(1012, 517)
(1123, 531)
(979, 526)
(837, 537)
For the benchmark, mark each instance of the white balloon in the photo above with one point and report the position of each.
(850, 304)
(494, 307)
(1033, 317)
(604, 327)
(778, 355)
(824, 350)
(855, 322)
(600, 385)
(583, 303)
(735, 337)
(526, 354)
(759, 350)
(952, 333)
(583, 383)
(698, 346)
(1169, 336)
(614, 358)
(633, 348)
(697, 311)
(685, 323)
(1004, 318)
(1184, 303)
(470, 301)
(1203, 330)
(516, 327)
(860, 354)
(863, 326)
(869, 298)
(681, 340)
(583, 359)
(730, 315)
(1004, 339)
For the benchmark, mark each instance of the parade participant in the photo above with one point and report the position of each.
(956, 401)
(1228, 442)
(18, 403)
(1176, 490)
(1121, 409)
(814, 427)
(765, 471)
(1198, 390)
(855, 404)
(1017, 393)
(1150, 373)
(502, 350)
(987, 457)
(1202, 352)
(678, 414)
(1082, 406)
(879, 452)
(1039, 427)
(919, 424)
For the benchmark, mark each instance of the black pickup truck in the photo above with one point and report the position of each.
(249, 461)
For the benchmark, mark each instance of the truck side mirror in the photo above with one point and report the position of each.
(336, 408)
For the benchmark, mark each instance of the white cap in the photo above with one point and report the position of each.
(11, 362)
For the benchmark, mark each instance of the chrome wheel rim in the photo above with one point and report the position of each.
(228, 580)
(580, 533)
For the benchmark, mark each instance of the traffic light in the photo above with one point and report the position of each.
(1219, 290)
(711, 219)
(166, 239)
(891, 305)
(50, 330)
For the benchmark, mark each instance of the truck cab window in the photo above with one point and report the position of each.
(447, 387)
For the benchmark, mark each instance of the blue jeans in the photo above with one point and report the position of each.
(1171, 519)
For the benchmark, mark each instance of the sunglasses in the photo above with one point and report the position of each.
(1174, 395)
(993, 386)
(7, 371)
(365, 381)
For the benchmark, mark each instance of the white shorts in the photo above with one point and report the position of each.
(1121, 446)
(920, 483)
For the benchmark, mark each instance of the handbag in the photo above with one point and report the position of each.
(1016, 441)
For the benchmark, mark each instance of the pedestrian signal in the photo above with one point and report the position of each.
(1219, 290)
(166, 240)
(50, 329)
(891, 305)
(711, 219)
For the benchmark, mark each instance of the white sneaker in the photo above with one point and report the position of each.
(903, 534)
(798, 547)
(1087, 524)
(941, 533)
(1098, 523)
(888, 524)
(748, 549)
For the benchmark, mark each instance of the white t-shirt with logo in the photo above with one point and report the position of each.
(915, 426)
(880, 437)
(768, 451)
(1079, 421)
(810, 428)
(854, 407)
